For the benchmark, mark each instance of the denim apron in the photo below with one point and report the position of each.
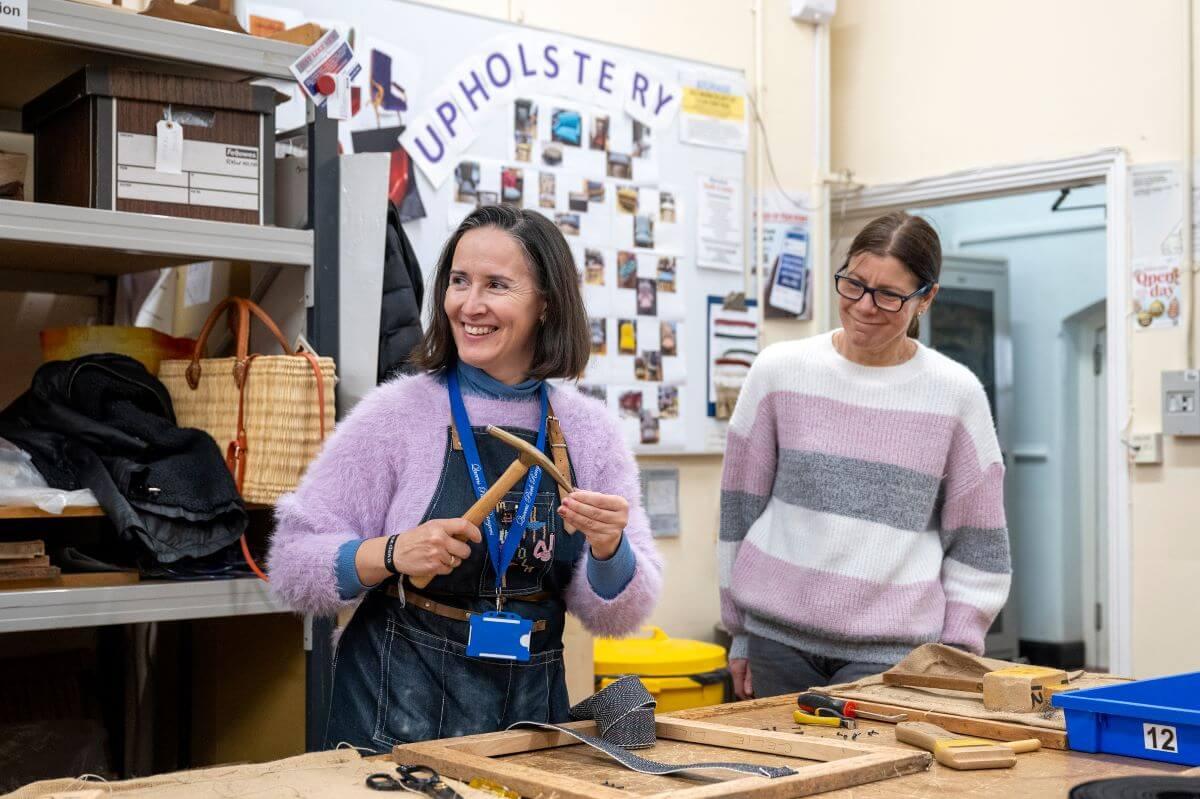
(401, 674)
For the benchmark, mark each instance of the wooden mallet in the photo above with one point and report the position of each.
(1016, 689)
(527, 456)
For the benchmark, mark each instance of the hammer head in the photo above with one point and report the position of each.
(530, 455)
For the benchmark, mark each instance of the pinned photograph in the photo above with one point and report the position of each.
(595, 392)
(577, 201)
(666, 275)
(649, 426)
(641, 140)
(593, 267)
(666, 207)
(643, 231)
(466, 182)
(669, 338)
(566, 127)
(595, 190)
(626, 270)
(626, 336)
(627, 200)
(546, 189)
(489, 198)
(647, 296)
(668, 402)
(525, 114)
(653, 361)
(599, 336)
(631, 403)
(567, 223)
(552, 155)
(512, 186)
(639, 367)
(598, 140)
(620, 165)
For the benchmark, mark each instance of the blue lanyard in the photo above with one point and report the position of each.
(501, 555)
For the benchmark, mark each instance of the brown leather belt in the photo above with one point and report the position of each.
(411, 597)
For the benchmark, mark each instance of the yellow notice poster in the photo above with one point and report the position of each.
(713, 112)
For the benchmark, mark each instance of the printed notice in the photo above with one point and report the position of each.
(719, 237)
(213, 174)
(1157, 299)
(713, 112)
(14, 14)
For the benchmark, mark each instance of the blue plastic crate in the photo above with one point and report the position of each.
(1156, 719)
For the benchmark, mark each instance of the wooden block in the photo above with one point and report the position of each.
(29, 573)
(15, 550)
(1020, 689)
(307, 34)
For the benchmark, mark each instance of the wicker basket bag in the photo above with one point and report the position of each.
(269, 412)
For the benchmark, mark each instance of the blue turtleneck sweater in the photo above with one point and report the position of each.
(607, 577)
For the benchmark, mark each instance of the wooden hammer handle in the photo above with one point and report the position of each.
(910, 680)
(484, 505)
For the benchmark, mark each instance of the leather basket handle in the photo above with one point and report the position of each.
(244, 309)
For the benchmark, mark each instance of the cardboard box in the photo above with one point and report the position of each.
(95, 137)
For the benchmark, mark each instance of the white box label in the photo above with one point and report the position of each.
(14, 14)
(214, 174)
(1160, 738)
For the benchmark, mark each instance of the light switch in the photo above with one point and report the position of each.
(1147, 448)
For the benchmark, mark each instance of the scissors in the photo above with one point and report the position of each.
(417, 779)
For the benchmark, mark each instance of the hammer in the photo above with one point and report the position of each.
(1016, 689)
(527, 456)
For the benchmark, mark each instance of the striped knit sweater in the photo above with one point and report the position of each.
(862, 508)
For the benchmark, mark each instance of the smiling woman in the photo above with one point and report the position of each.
(862, 495)
(380, 512)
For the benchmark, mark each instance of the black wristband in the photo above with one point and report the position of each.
(388, 552)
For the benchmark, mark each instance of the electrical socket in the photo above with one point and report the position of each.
(1181, 403)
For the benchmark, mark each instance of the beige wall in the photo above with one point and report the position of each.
(931, 87)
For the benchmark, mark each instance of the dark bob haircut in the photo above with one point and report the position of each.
(563, 339)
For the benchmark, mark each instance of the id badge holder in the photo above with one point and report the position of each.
(499, 635)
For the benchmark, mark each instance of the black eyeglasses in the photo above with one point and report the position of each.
(884, 299)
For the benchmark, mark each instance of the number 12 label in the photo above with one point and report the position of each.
(1160, 738)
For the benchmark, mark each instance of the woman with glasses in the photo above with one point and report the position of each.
(862, 505)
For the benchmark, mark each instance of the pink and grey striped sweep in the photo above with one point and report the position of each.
(862, 508)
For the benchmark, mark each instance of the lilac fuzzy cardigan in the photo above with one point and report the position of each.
(378, 470)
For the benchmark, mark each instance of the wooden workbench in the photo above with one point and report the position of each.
(1039, 775)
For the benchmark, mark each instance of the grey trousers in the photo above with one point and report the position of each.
(777, 668)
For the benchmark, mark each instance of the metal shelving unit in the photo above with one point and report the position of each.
(58, 608)
(62, 249)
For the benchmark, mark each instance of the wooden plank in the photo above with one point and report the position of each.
(16, 564)
(15, 550)
(29, 573)
(76, 580)
(813, 779)
(31, 512)
(780, 743)
(984, 728)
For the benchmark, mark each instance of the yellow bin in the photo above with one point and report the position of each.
(677, 672)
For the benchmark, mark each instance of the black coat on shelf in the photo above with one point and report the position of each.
(103, 422)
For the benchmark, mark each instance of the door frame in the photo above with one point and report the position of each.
(1109, 165)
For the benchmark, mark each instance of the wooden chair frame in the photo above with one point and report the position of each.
(842, 763)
